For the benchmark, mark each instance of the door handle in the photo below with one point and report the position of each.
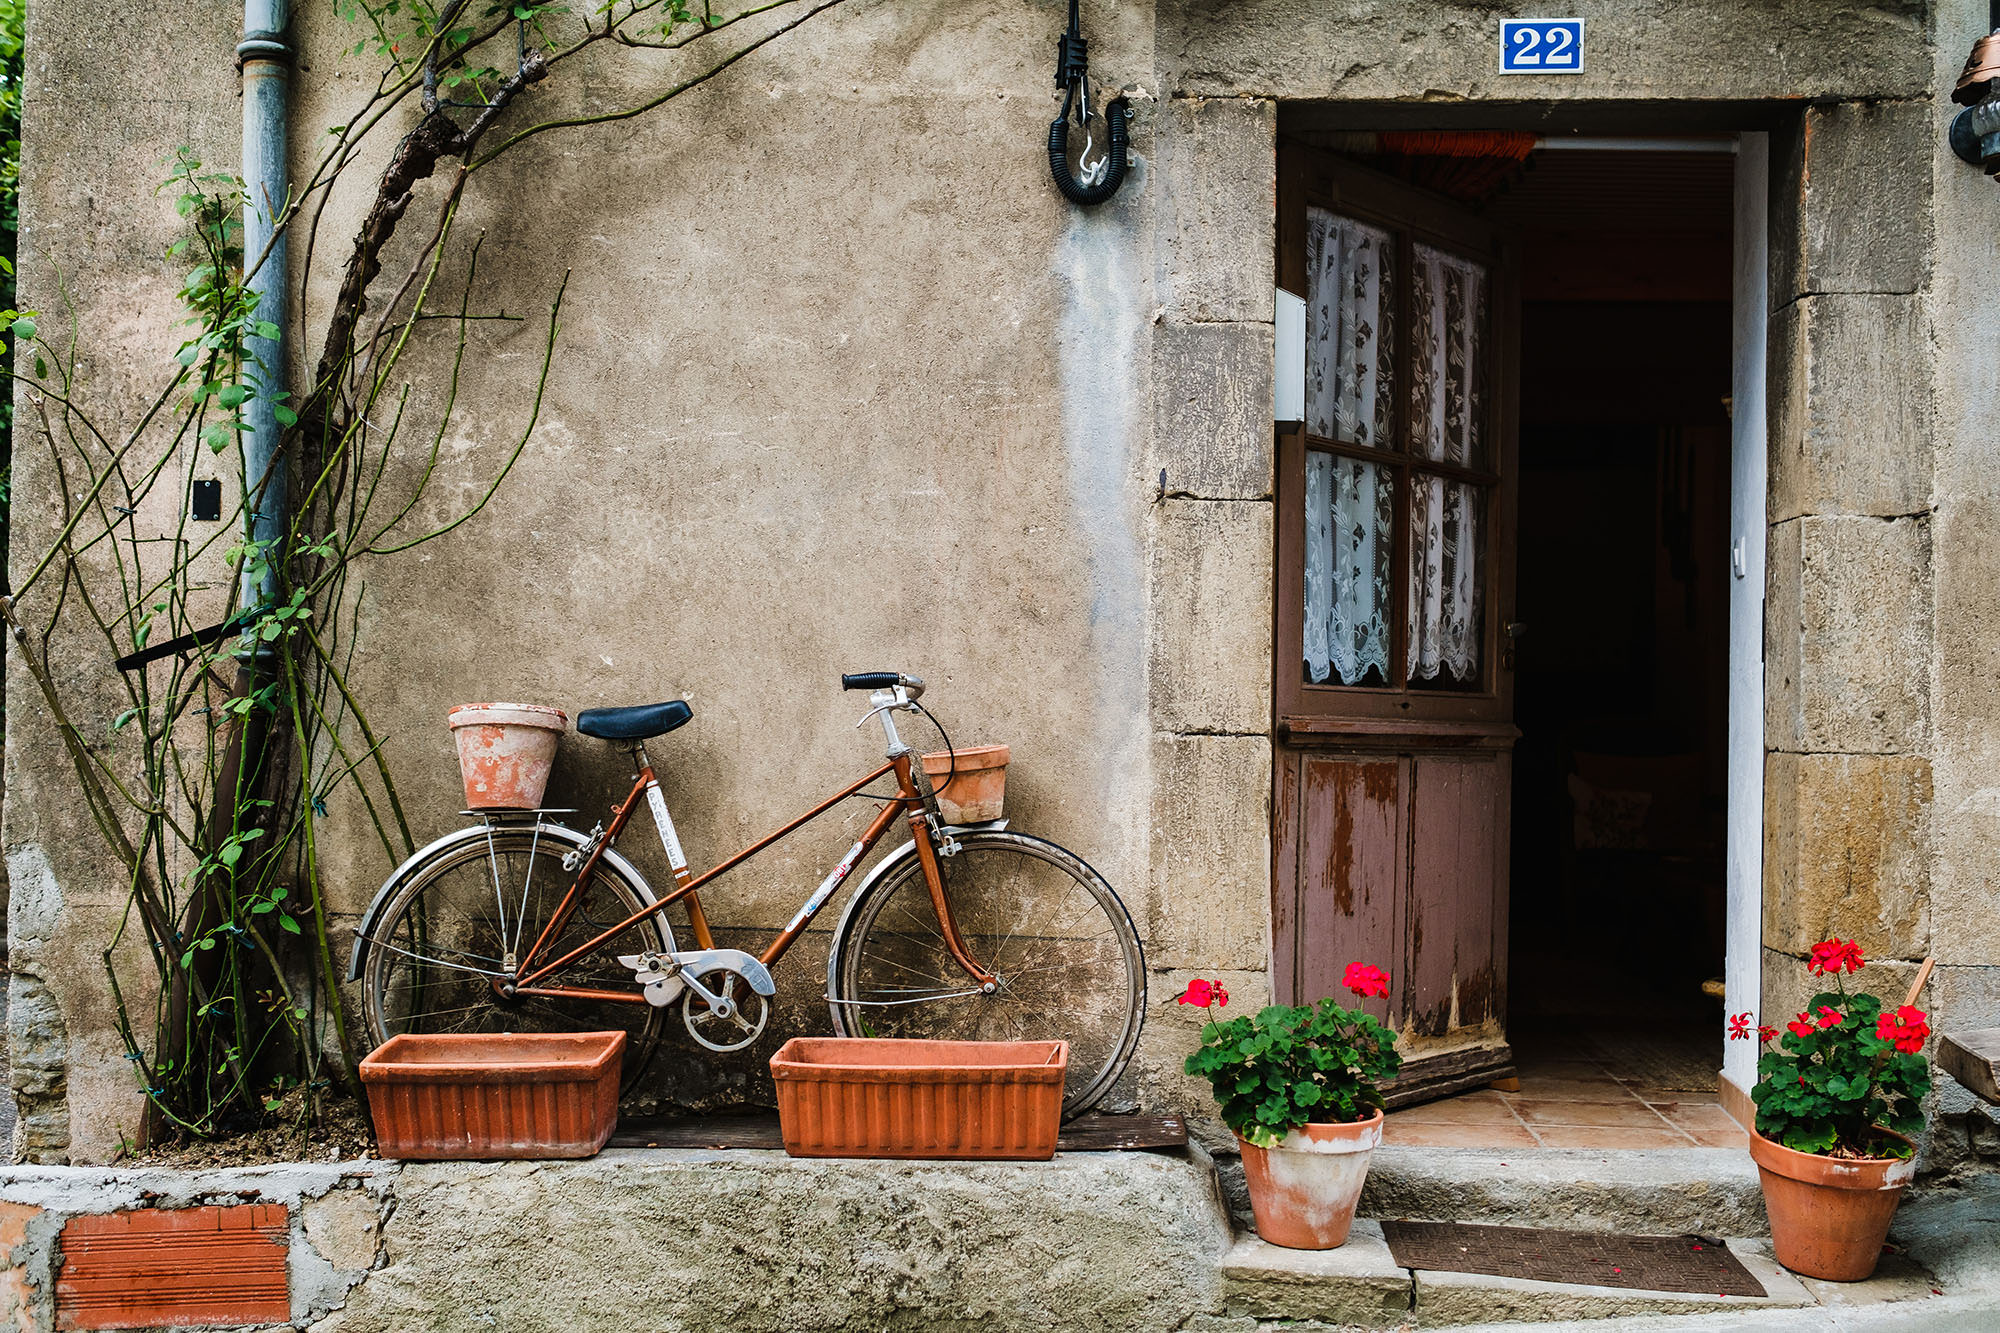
(1514, 630)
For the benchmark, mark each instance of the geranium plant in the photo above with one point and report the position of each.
(1290, 1066)
(1844, 1069)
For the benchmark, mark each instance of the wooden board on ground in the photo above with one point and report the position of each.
(1087, 1133)
(1973, 1058)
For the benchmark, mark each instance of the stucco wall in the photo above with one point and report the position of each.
(843, 384)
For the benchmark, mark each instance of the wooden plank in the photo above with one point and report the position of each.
(1973, 1058)
(1350, 874)
(1086, 1133)
(1456, 805)
(1428, 1078)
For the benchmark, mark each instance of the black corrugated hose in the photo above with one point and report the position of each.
(1073, 75)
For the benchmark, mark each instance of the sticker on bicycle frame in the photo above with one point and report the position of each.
(668, 838)
(1541, 46)
(826, 887)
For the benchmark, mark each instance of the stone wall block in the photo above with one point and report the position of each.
(1664, 50)
(1846, 437)
(1211, 616)
(1848, 636)
(1218, 195)
(1847, 852)
(1849, 199)
(1211, 857)
(1212, 409)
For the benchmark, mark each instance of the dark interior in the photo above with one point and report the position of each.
(1620, 781)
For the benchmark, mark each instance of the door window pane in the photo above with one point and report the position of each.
(1447, 580)
(1448, 358)
(1350, 526)
(1350, 316)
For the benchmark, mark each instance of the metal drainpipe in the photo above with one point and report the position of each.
(266, 64)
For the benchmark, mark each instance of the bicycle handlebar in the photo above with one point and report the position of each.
(882, 680)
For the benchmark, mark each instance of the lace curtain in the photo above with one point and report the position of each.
(1447, 416)
(1349, 504)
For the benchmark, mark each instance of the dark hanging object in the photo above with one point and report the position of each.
(1073, 76)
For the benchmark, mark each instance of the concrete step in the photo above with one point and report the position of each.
(1661, 1191)
(1361, 1283)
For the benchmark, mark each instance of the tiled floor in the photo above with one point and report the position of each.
(1568, 1103)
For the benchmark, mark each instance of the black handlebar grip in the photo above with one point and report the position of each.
(871, 680)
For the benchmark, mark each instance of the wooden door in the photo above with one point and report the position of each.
(1392, 662)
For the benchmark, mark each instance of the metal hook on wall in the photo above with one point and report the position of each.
(1098, 179)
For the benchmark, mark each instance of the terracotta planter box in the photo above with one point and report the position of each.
(472, 1096)
(867, 1097)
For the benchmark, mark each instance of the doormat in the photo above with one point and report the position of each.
(1580, 1258)
(1672, 1061)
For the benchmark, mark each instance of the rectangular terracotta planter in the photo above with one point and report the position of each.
(869, 1097)
(479, 1095)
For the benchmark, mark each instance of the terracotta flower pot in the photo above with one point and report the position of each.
(977, 791)
(889, 1097)
(1829, 1215)
(1304, 1191)
(464, 1095)
(505, 752)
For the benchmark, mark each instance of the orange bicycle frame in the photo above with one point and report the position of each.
(686, 886)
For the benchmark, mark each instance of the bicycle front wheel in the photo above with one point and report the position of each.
(1051, 931)
(446, 938)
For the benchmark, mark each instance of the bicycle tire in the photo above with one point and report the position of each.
(458, 995)
(1088, 967)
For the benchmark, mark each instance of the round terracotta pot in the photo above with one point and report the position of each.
(505, 752)
(977, 790)
(1304, 1191)
(1829, 1215)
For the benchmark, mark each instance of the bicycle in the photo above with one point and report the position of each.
(521, 923)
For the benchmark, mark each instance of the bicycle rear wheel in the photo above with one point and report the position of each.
(444, 939)
(1050, 930)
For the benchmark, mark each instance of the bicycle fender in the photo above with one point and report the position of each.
(698, 963)
(364, 930)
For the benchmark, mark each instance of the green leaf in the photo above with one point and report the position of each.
(284, 415)
(24, 328)
(124, 719)
(41, 369)
(217, 435)
(266, 329)
(288, 923)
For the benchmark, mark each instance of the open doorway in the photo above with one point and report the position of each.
(1620, 777)
(1517, 429)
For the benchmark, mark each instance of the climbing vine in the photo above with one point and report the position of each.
(212, 761)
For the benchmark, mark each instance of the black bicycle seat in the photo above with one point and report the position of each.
(637, 723)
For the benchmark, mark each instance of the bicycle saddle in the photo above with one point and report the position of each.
(637, 723)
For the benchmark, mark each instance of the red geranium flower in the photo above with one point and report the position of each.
(1905, 1029)
(1829, 1018)
(1365, 980)
(1830, 956)
(1739, 1026)
(1204, 993)
(1766, 1033)
(1802, 1026)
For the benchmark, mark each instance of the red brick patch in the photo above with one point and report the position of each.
(175, 1267)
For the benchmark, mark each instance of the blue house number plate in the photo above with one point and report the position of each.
(1541, 46)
